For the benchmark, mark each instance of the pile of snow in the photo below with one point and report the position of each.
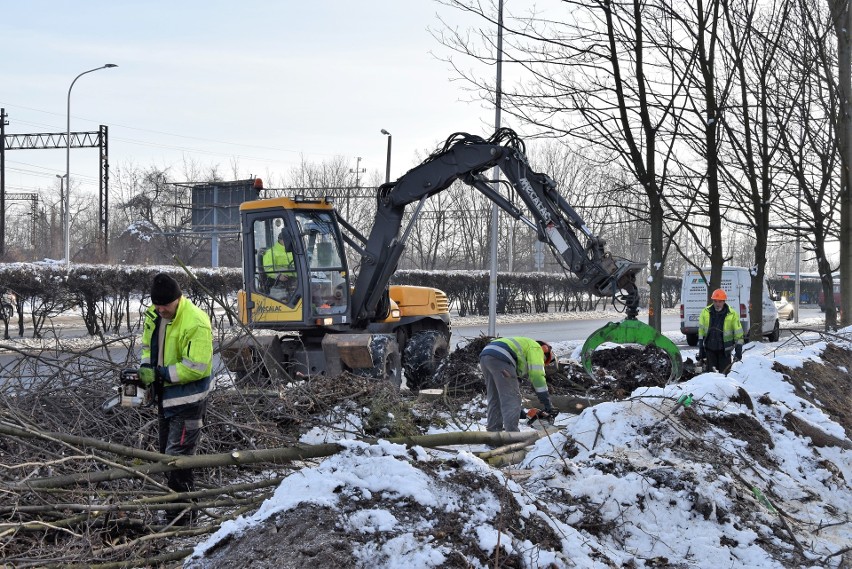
(641, 482)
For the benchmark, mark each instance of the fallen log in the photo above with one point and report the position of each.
(567, 403)
(274, 455)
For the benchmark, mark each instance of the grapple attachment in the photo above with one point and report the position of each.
(631, 331)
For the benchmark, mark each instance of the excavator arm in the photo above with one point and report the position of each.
(465, 157)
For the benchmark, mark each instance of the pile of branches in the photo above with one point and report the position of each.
(459, 375)
(83, 483)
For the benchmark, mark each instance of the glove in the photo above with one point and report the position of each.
(147, 374)
(163, 374)
(544, 399)
(738, 353)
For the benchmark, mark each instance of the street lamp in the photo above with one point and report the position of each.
(387, 166)
(61, 200)
(67, 217)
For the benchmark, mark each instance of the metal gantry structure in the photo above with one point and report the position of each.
(45, 140)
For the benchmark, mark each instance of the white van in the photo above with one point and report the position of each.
(736, 282)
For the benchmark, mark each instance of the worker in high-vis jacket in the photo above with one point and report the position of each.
(720, 332)
(177, 361)
(503, 362)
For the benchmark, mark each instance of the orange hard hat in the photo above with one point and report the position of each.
(719, 294)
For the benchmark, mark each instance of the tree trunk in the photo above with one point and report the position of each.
(842, 17)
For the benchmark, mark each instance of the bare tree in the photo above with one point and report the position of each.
(159, 214)
(808, 139)
(841, 18)
(750, 168)
(597, 76)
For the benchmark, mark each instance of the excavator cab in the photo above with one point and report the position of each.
(299, 275)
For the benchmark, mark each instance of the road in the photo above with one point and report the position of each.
(579, 330)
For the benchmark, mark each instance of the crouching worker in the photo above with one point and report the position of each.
(503, 361)
(177, 358)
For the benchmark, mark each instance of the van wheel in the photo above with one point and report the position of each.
(775, 335)
(692, 339)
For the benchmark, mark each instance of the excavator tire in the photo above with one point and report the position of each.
(386, 361)
(423, 353)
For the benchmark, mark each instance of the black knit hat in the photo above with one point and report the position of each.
(164, 290)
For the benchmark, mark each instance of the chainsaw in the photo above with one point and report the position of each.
(130, 393)
(534, 415)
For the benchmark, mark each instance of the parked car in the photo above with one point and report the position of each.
(786, 309)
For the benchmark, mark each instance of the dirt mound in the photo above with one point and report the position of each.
(826, 385)
(360, 531)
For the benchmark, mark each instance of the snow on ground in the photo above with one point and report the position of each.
(631, 483)
(630, 464)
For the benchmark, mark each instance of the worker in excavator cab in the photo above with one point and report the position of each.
(720, 332)
(503, 361)
(279, 268)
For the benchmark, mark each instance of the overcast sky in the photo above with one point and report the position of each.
(262, 83)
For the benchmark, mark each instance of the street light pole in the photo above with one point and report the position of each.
(67, 214)
(387, 165)
(61, 200)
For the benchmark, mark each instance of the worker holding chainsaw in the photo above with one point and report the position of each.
(503, 361)
(177, 358)
(720, 332)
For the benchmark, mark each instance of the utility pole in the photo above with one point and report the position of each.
(3, 123)
(495, 220)
(357, 171)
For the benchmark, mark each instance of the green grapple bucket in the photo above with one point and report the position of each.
(631, 331)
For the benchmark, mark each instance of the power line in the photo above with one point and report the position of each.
(171, 147)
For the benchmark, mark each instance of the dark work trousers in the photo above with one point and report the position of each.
(503, 393)
(178, 437)
(718, 360)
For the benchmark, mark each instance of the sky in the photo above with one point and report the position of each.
(665, 507)
(263, 85)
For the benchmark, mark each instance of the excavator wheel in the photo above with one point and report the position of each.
(387, 363)
(631, 331)
(422, 356)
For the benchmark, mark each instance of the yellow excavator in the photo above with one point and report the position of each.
(326, 320)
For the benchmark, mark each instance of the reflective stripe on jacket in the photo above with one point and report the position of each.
(187, 352)
(525, 353)
(732, 328)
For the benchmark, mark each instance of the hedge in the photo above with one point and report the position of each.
(103, 293)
